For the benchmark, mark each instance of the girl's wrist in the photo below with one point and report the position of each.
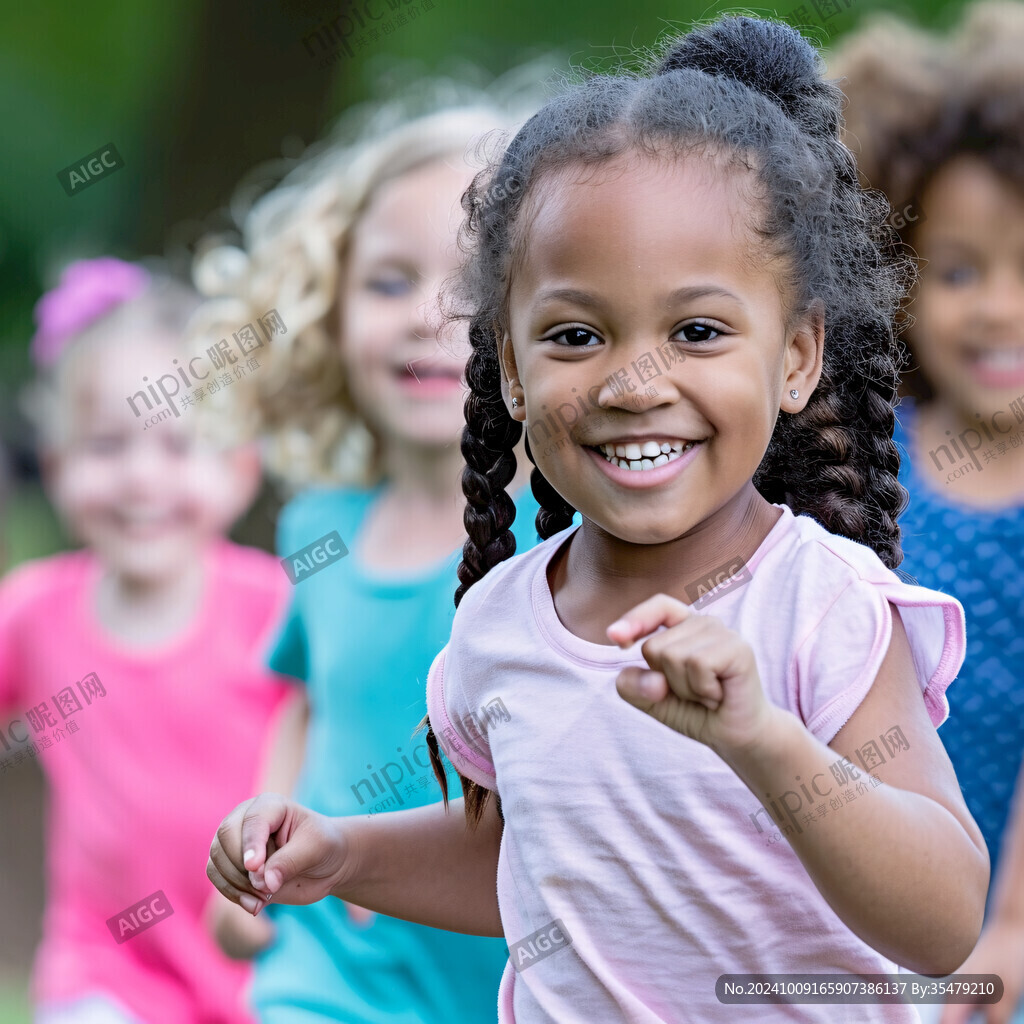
(774, 744)
(1006, 920)
(345, 838)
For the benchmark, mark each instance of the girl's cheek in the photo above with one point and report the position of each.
(209, 493)
(84, 487)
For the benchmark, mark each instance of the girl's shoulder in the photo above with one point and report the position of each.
(509, 582)
(820, 565)
(831, 597)
(41, 580)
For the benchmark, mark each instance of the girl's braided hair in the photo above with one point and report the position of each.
(751, 91)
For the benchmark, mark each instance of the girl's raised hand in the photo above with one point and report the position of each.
(702, 680)
(273, 847)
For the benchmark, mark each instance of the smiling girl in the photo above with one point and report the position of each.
(708, 211)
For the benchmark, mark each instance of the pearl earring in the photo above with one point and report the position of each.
(794, 393)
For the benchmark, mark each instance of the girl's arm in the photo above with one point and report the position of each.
(284, 760)
(428, 866)
(423, 864)
(1008, 898)
(1000, 950)
(904, 865)
(235, 932)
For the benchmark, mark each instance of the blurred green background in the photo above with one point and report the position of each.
(195, 94)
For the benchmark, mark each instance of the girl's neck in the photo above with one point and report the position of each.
(148, 612)
(418, 520)
(427, 474)
(601, 578)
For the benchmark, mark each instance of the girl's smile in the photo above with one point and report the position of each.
(645, 463)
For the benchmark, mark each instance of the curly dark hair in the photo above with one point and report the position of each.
(745, 90)
(917, 101)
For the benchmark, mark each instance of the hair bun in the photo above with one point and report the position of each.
(767, 56)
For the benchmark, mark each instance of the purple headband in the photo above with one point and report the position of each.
(88, 289)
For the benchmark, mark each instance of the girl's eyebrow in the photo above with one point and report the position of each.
(947, 242)
(685, 294)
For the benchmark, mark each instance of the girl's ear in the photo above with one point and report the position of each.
(804, 353)
(511, 389)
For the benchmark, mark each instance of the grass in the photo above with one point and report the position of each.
(14, 1006)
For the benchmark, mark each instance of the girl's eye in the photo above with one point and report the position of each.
(957, 276)
(177, 444)
(575, 337)
(390, 287)
(698, 332)
(104, 444)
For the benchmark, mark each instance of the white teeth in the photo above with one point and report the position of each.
(632, 452)
(1002, 359)
(639, 464)
(650, 449)
(620, 450)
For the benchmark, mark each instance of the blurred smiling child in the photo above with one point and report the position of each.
(939, 126)
(154, 627)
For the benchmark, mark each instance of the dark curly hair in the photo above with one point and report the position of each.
(917, 101)
(746, 90)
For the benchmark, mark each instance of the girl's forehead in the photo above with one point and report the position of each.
(641, 209)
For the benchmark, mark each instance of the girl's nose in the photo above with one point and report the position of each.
(426, 314)
(1002, 298)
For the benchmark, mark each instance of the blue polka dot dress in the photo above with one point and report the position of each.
(976, 556)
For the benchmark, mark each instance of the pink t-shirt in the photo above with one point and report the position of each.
(639, 841)
(162, 744)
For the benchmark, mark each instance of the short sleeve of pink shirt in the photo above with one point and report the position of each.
(653, 869)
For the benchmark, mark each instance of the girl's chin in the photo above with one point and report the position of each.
(439, 432)
(146, 562)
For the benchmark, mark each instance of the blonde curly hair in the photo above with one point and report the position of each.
(294, 242)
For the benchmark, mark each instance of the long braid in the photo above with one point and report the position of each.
(488, 442)
(836, 460)
(555, 512)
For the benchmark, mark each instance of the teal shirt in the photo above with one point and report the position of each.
(363, 645)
